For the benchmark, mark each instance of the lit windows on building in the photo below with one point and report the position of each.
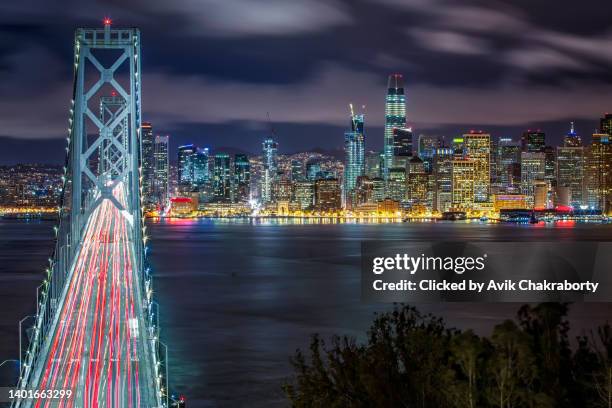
(221, 178)
(463, 175)
(478, 149)
(533, 168)
(270, 169)
(570, 172)
(395, 117)
(327, 195)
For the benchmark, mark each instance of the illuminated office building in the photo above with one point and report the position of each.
(533, 169)
(354, 150)
(541, 194)
(598, 176)
(533, 141)
(478, 149)
(509, 167)
(270, 169)
(458, 147)
(147, 143)
(572, 139)
(605, 124)
(282, 190)
(297, 170)
(396, 184)
(378, 189)
(427, 146)
(242, 178)
(463, 176)
(221, 179)
(550, 165)
(327, 195)
(395, 117)
(570, 172)
(161, 176)
(443, 179)
(200, 163)
(186, 155)
(303, 194)
(402, 142)
(418, 192)
(364, 191)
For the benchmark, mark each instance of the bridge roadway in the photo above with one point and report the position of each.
(99, 347)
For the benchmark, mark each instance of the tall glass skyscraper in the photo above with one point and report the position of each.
(395, 118)
(201, 171)
(242, 178)
(354, 149)
(221, 178)
(147, 142)
(270, 165)
(186, 154)
(162, 170)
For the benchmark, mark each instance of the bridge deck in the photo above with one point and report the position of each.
(100, 348)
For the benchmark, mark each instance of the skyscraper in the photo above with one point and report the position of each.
(533, 141)
(463, 175)
(395, 117)
(185, 166)
(201, 171)
(354, 150)
(402, 142)
(598, 172)
(162, 170)
(509, 165)
(478, 149)
(270, 169)
(242, 178)
(303, 193)
(221, 178)
(572, 139)
(533, 169)
(417, 185)
(570, 172)
(426, 150)
(550, 162)
(396, 184)
(605, 124)
(147, 142)
(327, 195)
(442, 172)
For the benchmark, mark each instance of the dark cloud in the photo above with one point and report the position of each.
(213, 66)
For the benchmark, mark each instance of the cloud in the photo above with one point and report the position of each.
(324, 100)
(544, 60)
(245, 17)
(593, 47)
(448, 41)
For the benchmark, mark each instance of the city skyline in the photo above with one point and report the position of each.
(519, 63)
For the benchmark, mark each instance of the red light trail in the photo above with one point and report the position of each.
(99, 337)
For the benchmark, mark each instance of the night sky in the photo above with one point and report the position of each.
(213, 68)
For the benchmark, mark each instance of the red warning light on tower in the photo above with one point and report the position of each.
(107, 21)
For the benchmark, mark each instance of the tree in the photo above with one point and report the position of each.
(602, 344)
(469, 353)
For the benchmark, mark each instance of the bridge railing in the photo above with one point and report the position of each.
(49, 293)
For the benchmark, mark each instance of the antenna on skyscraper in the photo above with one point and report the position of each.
(353, 120)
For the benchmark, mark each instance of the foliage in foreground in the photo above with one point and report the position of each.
(414, 360)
